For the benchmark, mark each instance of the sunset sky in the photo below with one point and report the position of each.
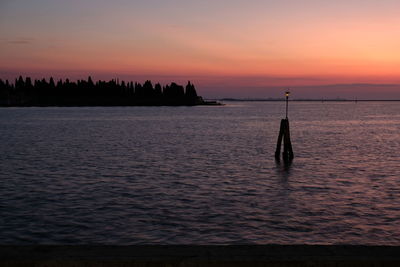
(343, 48)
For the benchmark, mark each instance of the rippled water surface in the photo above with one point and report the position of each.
(200, 175)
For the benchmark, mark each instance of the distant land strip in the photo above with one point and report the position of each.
(306, 100)
(25, 92)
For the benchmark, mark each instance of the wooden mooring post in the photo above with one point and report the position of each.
(284, 134)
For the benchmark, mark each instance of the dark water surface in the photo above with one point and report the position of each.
(200, 175)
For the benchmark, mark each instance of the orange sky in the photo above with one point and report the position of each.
(220, 44)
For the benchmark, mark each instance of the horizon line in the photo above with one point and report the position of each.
(302, 99)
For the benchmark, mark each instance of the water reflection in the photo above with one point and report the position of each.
(283, 168)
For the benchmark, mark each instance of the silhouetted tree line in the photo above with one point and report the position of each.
(102, 93)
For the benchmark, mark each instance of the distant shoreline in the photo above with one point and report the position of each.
(306, 100)
(216, 102)
(204, 103)
(64, 93)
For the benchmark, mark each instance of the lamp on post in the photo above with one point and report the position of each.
(284, 135)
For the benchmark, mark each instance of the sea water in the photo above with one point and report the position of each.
(200, 175)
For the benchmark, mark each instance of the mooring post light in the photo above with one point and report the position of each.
(287, 102)
(284, 135)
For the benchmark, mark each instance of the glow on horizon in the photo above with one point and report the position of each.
(297, 41)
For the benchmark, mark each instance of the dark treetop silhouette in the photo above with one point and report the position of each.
(102, 93)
